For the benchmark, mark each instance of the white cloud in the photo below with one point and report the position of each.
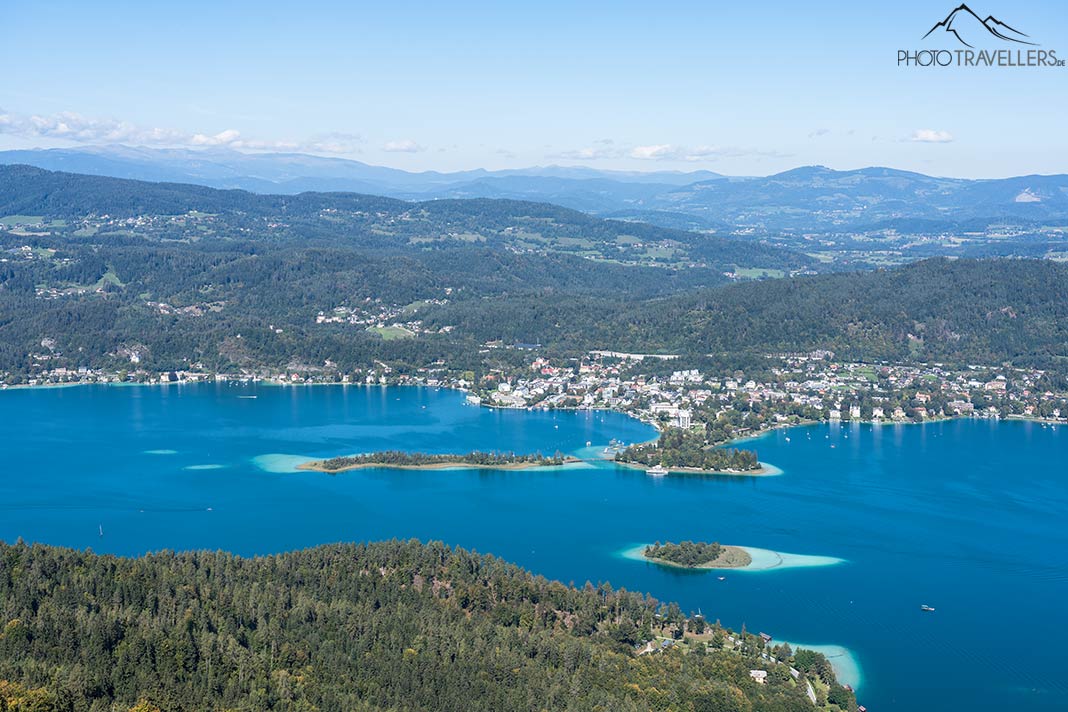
(590, 153)
(655, 152)
(223, 138)
(333, 142)
(70, 126)
(931, 136)
(671, 152)
(606, 148)
(403, 146)
(75, 128)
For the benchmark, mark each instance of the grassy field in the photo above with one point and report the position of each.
(392, 332)
(869, 373)
(758, 273)
(109, 277)
(12, 220)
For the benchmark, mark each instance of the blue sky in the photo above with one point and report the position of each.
(742, 88)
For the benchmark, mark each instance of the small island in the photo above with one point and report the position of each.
(684, 451)
(698, 555)
(397, 460)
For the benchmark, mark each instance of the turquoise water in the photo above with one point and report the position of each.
(966, 516)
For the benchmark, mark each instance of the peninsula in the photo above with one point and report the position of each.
(397, 460)
(698, 555)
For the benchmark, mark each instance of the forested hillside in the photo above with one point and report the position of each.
(110, 207)
(329, 284)
(986, 311)
(388, 626)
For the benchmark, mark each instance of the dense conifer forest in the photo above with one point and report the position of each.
(386, 626)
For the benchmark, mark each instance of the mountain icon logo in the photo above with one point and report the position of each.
(969, 28)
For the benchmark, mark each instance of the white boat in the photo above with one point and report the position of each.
(658, 471)
(927, 608)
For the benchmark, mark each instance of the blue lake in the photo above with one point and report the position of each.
(970, 517)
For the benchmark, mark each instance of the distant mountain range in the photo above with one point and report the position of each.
(576, 187)
(815, 198)
(807, 199)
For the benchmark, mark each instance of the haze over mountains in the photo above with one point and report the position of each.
(810, 198)
(290, 173)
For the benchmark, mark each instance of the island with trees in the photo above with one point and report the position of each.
(685, 451)
(698, 555)
(399, 460)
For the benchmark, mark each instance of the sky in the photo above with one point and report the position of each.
(742, 88)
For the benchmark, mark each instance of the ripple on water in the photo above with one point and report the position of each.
(161, 452)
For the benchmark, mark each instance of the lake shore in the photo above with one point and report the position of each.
(844, 662)
(272, 382)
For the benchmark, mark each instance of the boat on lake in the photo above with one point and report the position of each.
(927, 608)
(657, 471)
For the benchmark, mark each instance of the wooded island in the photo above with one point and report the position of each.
(679, 449)
(396, 459)
(698, 555)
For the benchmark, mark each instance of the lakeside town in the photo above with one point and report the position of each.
(791, 389)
